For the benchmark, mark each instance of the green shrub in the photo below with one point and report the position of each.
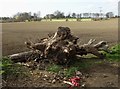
(115, 53)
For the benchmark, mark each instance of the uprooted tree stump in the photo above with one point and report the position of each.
(60, 47)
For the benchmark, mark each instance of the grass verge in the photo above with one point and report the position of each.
(8, 68)
(115, 55)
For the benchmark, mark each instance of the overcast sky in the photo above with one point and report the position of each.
(11, 7)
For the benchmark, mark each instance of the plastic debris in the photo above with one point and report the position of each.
(73, 82)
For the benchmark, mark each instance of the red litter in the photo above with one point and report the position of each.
(73, 82)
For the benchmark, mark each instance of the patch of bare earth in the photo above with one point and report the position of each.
(103, 75)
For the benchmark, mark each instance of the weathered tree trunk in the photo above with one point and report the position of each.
(60, 47)
(23, 56)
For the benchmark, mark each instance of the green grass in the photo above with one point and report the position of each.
(11, 69)
(77, 65)
(70, 71)
(115, 55)
(5, 64)
(54, 68)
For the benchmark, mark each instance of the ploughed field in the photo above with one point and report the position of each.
(15, 34)
(105, 74)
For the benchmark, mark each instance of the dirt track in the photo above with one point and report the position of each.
(15, 34)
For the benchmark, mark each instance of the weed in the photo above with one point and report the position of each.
(11, 69)
(77, 65)
(54, 68)
(115, 55)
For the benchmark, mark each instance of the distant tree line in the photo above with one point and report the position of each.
(58, 14)
(28, 16)
(22, 17)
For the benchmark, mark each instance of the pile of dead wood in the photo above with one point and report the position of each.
(60, 47)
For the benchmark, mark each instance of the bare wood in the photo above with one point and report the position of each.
(60, 47)
(21, 57)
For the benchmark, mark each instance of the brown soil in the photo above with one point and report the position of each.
(101, 75)
(15, 34)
